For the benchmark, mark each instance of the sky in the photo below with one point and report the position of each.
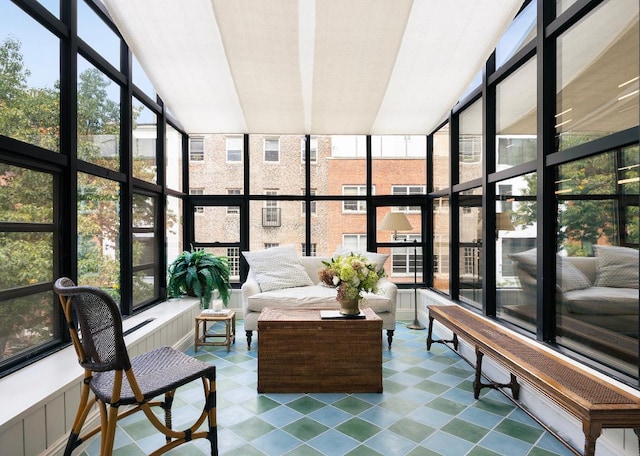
(41, 51)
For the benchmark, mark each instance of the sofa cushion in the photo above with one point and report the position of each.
(603, 301)
(310, 296)
(568, 276)
(616, 267)
(277, 268)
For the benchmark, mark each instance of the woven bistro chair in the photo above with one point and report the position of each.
(116, 380)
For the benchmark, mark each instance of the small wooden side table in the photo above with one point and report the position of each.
(228, 336)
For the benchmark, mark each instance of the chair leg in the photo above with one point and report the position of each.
(81, 415)
(390, 337)
(212, 436)
(249, 336)
(166, 406)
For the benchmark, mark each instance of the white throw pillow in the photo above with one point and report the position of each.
(276, 268)
(378, 258)
(616, 267)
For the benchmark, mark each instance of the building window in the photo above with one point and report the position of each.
(197, 191)
(196, 148)
(314, 250)
(314, 204)
(233, 209)
(272, 149)
(408, 190)
(357, 206)
(233, 254)
(268, 245)
(313, 153)
(271, 211)
(406, 260)
(469, 260)
(355, 242)
(234, 149)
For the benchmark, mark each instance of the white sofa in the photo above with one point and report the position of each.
(601, 290)
(254, 299)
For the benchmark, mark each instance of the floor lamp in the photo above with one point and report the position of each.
(397, 221)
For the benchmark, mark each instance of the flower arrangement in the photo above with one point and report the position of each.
(351, 275)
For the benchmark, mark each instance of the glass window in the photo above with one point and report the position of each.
(441, 230)
(313, 152)
(145, 133)
(234, 149)
(405, 155)
(98, 34)
(406, 260)
(27, 319)
(29, 75)
(520, 32)
(598, 256)
(516, 118)
(272, 149)
(173, 233)
(441, 156)
(354, 205)
(197, 191)
(233, 209)
(145, 253)
(314, 204)
(173, 159)
(196, 148)
(407, 190)
(516, 256)
(141, 80)
(233, 254)
(217, 224)
(597, 78)
(471, 257)
(470, 143)
(99, 233)
(98, 117)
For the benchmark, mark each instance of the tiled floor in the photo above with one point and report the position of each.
(427, 408)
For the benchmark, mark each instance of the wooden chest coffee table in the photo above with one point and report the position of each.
(298, 352)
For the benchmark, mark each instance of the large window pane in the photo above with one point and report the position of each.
(516, 255)
(97, 34)
(98, 117)
(470, 271)
(597, 77)
(29, 75)
(145, 132)
(345, 166)
(406, 156)
(26, 323)
(441, 158)
(516, 113)
(173, 159)
(597, 266)
(216, 155)
(441, 235)
(99, 233)
(520, 32)
(470, 143)
(174, 219)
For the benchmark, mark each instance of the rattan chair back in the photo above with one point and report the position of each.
(98, 319)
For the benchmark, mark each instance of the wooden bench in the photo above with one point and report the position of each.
(595, 402)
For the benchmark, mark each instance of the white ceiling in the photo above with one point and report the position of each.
(311, 66)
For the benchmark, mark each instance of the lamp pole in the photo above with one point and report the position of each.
(416, 323)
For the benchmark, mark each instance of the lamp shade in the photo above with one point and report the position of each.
(503, 222)
(395, 221)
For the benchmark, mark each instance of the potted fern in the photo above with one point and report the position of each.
(200, 273)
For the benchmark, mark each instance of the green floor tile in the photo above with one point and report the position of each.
(134, 450)
(363, 451)
(305, 429)
(306, 405)
(140, 429)
(252, 428)
(479, 451)
(358, 429)
(422, 451)
(489, 405)
(519, 430)
(446, 406)
(260, 404)
(420, 372)
(465, 430)
(411, 430)
(304, 450)
(457, 371)
(400, 406)
(352, 405)
(432, 387)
